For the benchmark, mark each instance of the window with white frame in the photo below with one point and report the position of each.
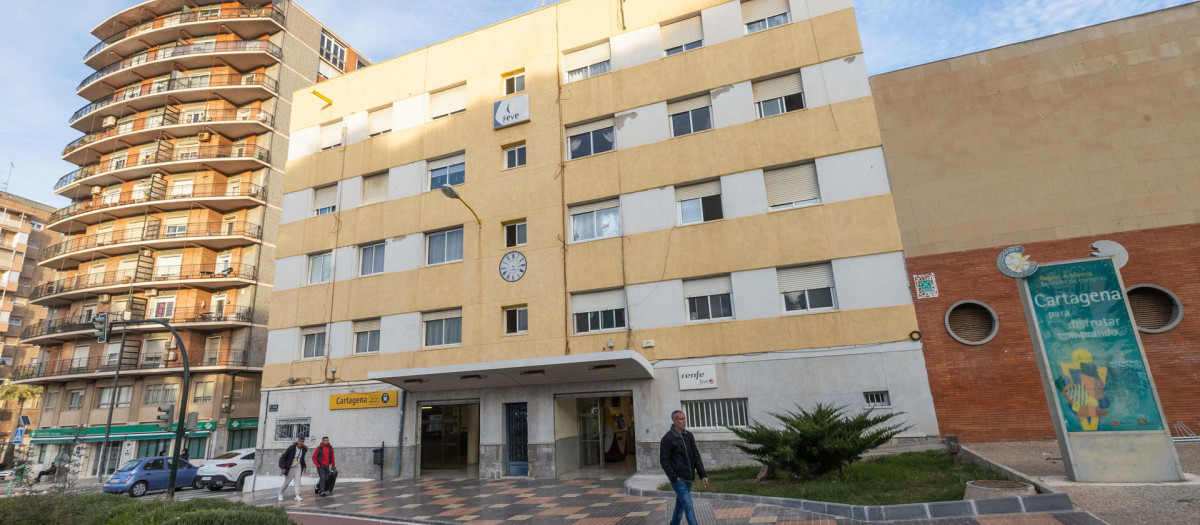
(320, 267)
(371, 258)
(168, 266)
(709, 298)
(366, 336)
(587, 62)
(806, 288)
(699, 202)
(245, 389)
(879, 398)
(74, 400)
(325, 200)
(514, 82)
(160, 394)
(598, 311)
(448, 102)
(792, 186)
(37, 225)
(374, 188)
(778, 95)
(292, 428)
(591, 138)
(163, 307)
(312, 341)
(684, 35)
(442, 328)
(596, 220)
(516, 320)
(175, 227)
(105, 399)
(50, 402)
(14, 321)
(691, 115)
(333, 51)
(514, 156)
(764, 14)
(450, 171)
(327, 71)
(379, 121)
(716, 413)
(332, 135)
(444, 246)
(514, 234)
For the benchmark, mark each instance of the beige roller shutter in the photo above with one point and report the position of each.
(366, 326)
(586, 57)
(375, 188)
(808, 277)
(447, 161)
(753, 10)
(696, 191)
(709, 286)
(682, 32)
(590, 126)
(379, 121)
(778, 87)
(444, 314)
(792, 184)
(598, 301)
(310, 330)
(689, 104)
(325, 197)
(593, 206)
(331, 135)
(448, 101)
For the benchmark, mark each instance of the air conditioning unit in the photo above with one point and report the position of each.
(109, 121)
(146, 252)
(153, 292)
(6, 361)
(104, 298)
(253, 191)
(227, 408)
(169, 356)
(96, 190)
(171, 344)
(203, 135)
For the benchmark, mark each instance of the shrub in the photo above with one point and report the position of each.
(817, 441)
(111, 509)
(236, 516)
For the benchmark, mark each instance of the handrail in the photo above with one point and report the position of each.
(158, 121)
(137, 235)
(108, 363)
(162, 156)
(176, 84)
(226, 46)
(235, 314)
(185, 17)
(159, 273)
(102, 201)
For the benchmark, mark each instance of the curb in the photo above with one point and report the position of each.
(1003, 470)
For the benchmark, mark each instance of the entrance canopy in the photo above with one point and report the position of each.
(579, 368)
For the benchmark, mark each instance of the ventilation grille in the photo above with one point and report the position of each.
(971, 322)
(1153, 309)
(716, 413)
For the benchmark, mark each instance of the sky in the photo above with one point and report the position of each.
(45, 44)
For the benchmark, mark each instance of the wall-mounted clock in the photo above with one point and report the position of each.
(512, 266)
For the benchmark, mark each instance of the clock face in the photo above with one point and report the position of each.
(512, 266)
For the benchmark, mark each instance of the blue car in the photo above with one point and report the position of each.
(143, 475)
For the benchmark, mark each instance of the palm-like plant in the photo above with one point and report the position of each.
(20, 394)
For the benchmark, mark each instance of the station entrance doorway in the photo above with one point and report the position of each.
(593, 434)
(450, 439)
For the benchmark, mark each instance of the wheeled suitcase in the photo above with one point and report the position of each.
(330, 480)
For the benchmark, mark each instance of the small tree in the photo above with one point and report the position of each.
(20, 394)
(24, 464)
(814, 442)
(70, 462)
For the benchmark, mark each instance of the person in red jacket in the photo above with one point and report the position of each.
(323, 459)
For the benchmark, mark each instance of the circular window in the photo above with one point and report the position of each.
(1155, 309)
(971, 322)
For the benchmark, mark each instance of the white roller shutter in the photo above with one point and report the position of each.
(778, 87)
(366, 326)
(805, 277)
(444, 314)
(696, 191)
(689, 104)
(593, 206)
(310, 330)
(754, 10)
(597, 301)
(709, 286)
(448, 101)
(586, 57)
(792, 184)
(447, 161)
(331, 135)
(590, 126)
(325, 197)
(379, 121)
(682, 32)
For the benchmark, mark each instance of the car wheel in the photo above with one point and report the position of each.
(196, 483)
(241, 482)
(138, 489)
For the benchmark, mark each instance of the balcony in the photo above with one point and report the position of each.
(145, 364)
(237, 89)
(192, 318)
(247, 22)
(203, 276)
(242, 55)
(232, 159)
(215, 235)
(222, 197)
(229, 122)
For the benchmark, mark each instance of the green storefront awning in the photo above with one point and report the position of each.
(117, 437)
(116, 433)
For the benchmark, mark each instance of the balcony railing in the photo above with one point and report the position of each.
(158, 121)
(78, 323)
(229, 46)
(200, 191)
(161, 273)
(145, 361)
(137, 235)
(174, 19)
(177, 84)
(244, 151)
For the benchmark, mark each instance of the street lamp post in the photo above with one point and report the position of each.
(448, 191)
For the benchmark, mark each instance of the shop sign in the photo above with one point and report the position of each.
(363, 400)
(697, 377)
(243, 423)
(510, 111)
(926, 284)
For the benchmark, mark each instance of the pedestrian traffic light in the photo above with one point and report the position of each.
(100, 327)
(164, 416)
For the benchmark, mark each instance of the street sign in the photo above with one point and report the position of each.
(18, 435)
(272, 408)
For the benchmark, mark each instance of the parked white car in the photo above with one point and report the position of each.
(6, 474)
(227, 470)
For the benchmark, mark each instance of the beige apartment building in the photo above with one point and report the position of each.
(672, 205)
(175, 207)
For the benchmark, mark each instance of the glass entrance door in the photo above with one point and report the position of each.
(589, 432)
(443, 443)
(516, 418)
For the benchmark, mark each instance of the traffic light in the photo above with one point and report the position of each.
(100, 327)
(164, 416)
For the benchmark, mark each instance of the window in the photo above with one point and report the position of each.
(106, 396)
(333, 51)
(74, 400)
(203, 392)
(320, 267)
(176, 227)
(445, 246)
(592, 138)
(516, 320)
(379, 121)
(807, 288)
(326, 71)
(596, 311)
(244, 389)
(314, 341)
(514, 83)
(877, 399)
(291, 428)
(716, 413)
(683, 35)
(792, 186)
(325, 200)
(168, 266)
(244, 438)
(699, 202)
(151, 447)
(514, 157)
(595, 221)
(37, 225)
(366, 336)
(197, 447)
(163, 307)
(50, 403)
(778, 95)
(514, 234)
(15, 321)
(586, 63)
(708, 299)
(374, 188)
(764, 14)
(448, 102)
(971, 322)
(1154, 308)
(448, 171)
(160, 394)
(372, 259)
(443, 328)
(332, 135)
(691, 115)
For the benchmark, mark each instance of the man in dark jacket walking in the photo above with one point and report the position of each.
(293, 466)
(323, 459)
(680, 460)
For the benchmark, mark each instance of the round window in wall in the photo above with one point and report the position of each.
(971, 322)
(1155, 309)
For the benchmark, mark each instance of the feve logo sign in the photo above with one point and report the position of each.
(697, 377)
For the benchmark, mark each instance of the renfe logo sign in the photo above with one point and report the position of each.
(697, 377)
(510, 111)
